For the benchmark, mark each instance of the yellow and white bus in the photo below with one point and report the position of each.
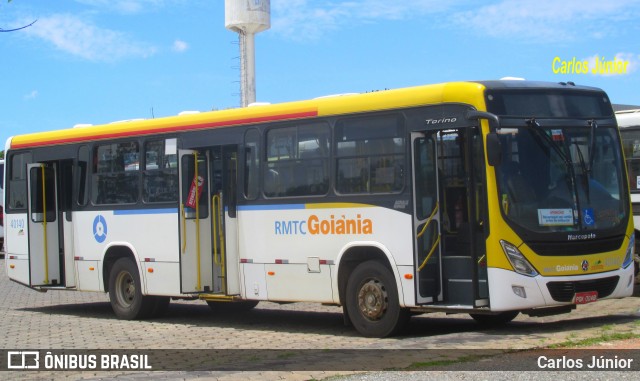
(488, 198)
(629, 123)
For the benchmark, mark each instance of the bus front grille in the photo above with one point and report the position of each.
(592, 246)
(564, 291)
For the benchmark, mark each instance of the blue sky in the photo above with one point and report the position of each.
(97, 61)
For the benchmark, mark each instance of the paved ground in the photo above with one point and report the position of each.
(302, 331)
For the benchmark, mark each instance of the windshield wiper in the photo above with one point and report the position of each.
(592, 144)
(535, 127)
(586, 172)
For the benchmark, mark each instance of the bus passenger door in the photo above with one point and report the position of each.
(426, 220)
(225, 227)
(195, 223)
(44, 245)
(461, 195)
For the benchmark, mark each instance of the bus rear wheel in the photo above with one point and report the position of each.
(125, 292)
(372, 301)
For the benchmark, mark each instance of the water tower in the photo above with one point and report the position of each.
(247, 17)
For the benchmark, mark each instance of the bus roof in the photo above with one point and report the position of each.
(521, 84)
(452, 92)
(628, 118)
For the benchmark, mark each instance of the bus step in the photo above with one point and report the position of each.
(457, 267)
(217, 297)
(429, 287)
(459, 291)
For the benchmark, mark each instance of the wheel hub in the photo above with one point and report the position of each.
(372, 300)
(127, 288)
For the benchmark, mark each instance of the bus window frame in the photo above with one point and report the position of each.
(325, 124)
(401, 156)
(10, 181)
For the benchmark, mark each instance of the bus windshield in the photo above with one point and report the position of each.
(561, 178)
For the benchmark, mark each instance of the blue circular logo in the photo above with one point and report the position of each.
(100, 228)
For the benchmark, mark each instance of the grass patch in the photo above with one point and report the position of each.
(286, 355)
(434, 363)
(603, 338)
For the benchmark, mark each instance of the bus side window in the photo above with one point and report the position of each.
(17, 186)
(251, 164)
(297, 161)
(116, 176)
(83, 175)
(160, 175)
(370, 155)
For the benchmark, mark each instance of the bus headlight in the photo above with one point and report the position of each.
(628, 258)
(518, 261)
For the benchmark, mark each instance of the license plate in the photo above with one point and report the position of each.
(586, 297)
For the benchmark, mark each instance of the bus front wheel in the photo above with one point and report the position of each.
(372, 301)
(125, 292)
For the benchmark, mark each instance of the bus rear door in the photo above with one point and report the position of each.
(224, 213)
(44, 245)
(195, 223)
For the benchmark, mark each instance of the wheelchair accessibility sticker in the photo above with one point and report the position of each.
(587, 217)
(100, 228)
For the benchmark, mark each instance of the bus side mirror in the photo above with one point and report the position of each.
(494, 149)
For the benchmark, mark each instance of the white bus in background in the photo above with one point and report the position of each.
(629, 123)
(2, 205)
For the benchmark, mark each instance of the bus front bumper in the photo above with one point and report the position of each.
(509, 290)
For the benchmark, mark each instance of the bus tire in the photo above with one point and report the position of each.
(495, 320)
(125, 292)
(372, 301)
(232, 307)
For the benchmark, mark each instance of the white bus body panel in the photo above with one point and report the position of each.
(254, 281)
(282, 237)
(150, 234)
(407, 287)
(17, 247)
(89, 278)
(295, 282)
(17, 233)
(232, 261)
(635, 199)
(161, 278)
(68, 244)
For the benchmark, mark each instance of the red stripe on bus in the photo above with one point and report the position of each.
(188, 127)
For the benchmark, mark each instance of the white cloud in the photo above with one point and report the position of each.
(633, 59)
(123, 6)
(623, 63)
(31, 95)
(180, 46)
(72, 35)
(548, 20)
(532, 20)
(308, 20)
